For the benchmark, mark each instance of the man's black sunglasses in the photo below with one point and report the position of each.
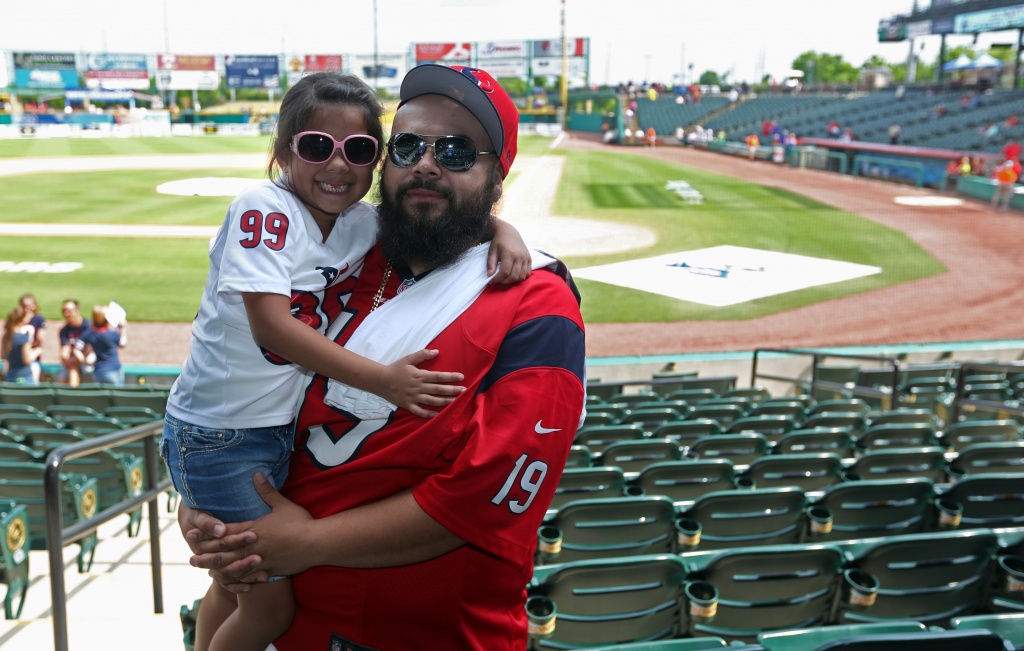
(456, 153)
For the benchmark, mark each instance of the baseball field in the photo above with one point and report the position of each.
(769, 256)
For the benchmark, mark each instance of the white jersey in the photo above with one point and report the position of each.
(268, 243)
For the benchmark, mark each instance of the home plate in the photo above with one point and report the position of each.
(207, 186)
(929, 202)
(724, 275)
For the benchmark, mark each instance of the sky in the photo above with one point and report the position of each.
(638, 40)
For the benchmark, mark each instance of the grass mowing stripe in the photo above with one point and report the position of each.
(113, 197)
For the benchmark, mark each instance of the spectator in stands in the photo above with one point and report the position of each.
(104, 340)
(894, 133)
(1006, 182)
(939, 110)
(847, 135)
(72, 349)
(680, 134)
(832, 130)
(651, 137)
(1011, 151)
(753, 142)
(989, 130)
(1012, 121)
(38, 323)
(412, 533)
(17, 349)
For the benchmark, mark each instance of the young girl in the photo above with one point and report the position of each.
(17, 349)
(104, 341)
(281, 270)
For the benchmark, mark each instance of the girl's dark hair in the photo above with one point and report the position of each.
(312, 93)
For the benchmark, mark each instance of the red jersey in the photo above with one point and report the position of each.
(485, 468)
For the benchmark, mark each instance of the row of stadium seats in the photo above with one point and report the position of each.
(786, 596)
(100, 398)
(632, 524)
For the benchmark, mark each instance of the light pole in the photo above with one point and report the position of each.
(564, 88)
(376, 70)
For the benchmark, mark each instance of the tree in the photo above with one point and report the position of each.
(709, 78)
(826, 68)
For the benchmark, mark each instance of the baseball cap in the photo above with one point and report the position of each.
(480, 93)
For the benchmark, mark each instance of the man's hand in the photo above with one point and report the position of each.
(251, 552)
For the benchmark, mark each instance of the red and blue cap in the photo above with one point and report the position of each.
(480, 93)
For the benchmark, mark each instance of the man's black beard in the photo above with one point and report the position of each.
(428, 241)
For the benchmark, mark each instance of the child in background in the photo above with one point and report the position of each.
(282, 268)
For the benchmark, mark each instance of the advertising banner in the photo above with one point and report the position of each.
(489, 50)
(890, 30)
(991, 20)
(116, 71)
(186, 72)
(919, 29)
(251, 71)
(443, 52)
(45, 70)
(942, 25)
(577, 47)
(553, 67)
(298, 66)
(5, 80)
(391, 69)
(499, 68)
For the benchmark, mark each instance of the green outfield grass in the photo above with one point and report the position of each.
(162, 279)
(630, 188)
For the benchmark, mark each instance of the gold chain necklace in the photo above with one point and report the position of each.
(379, 296)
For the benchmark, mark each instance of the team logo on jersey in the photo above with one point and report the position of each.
(331, 274)
(540, 429)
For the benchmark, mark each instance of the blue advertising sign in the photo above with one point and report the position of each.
(251, 71)
(45, 70)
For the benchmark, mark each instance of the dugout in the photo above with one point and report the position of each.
(919, 166)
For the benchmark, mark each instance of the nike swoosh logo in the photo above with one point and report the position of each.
(540, 429)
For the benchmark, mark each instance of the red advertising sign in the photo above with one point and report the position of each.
(323, 62)
(443, 52)
(185, 62)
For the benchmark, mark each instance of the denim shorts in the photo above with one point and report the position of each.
(212, 468)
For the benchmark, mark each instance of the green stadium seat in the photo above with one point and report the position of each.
(634, 456)
(929, 578)
(791, 408)
(853, 421)
(599, 437)
(651, 417)
(809, 471)
(686, 480)
(97, 399)
(15, 541)
(932, 640)
(983, 458)
(900, 463)
(876, 508)
(837, 440)
(580, 456)
(773, 426)
(779, 587)
(23, 483)
(958, 436)
(682, 644)
(906, 415)
(16, 452)
(634, 399)
(744, 518)
(898, 435)
(989, 500)
(687, 431)
(756, 394)
(810, 639)
(18, 409)
(132, 416)
(155, 399)
(38, 397)
(118, 477)
(725, 414)
(62, 412)
(93, 425)
(611, 601)
(741, 448)
(604, 528)
(588, 483)
(18, 423)
(842, 406)
(1009, 626)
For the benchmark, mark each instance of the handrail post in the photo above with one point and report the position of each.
(55, 551)
(894, 403)
(753, 368)
(156, 566)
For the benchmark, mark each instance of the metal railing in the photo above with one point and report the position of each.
(57, 536)
(815, 383)
(960, 400)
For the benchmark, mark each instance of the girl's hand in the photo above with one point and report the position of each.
(508, 249)
(411, 388)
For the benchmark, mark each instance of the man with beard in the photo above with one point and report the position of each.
(410, 533)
